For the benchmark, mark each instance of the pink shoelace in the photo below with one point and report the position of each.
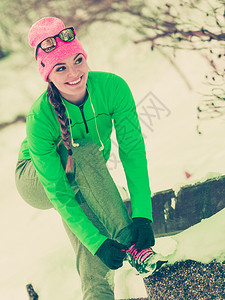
(139, 255)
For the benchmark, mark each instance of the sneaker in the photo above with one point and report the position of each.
(145, 261)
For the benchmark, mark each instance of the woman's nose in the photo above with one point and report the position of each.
(73, 73)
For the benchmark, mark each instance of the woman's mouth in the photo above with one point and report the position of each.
(76, 82)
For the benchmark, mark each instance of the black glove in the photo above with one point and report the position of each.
(112, 254)
(142, 233)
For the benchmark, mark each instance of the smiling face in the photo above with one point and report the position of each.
(70, 77)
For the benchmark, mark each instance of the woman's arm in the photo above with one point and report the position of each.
(132, 149)
(51, 174)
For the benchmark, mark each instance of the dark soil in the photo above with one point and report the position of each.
(186, 280)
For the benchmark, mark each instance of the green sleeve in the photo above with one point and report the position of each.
(56, 185)
(132, 150)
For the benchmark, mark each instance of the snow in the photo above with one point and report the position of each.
(34, 247)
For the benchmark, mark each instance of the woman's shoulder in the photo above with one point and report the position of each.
(41, 105)
(102, 76)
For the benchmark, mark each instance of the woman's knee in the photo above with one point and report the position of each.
(85, 151)
(29, 186)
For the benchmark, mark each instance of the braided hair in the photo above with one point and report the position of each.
(55, 99)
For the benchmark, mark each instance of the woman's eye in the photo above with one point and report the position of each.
(79, 60)
(60, 69)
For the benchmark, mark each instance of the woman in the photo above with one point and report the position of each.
(62, 161)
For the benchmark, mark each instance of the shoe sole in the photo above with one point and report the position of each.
(156, 267)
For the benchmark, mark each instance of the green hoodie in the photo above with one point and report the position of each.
(110, 101)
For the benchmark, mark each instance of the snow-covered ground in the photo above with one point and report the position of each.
(34, 247)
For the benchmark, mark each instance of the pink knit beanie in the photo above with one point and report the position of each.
(48, 27)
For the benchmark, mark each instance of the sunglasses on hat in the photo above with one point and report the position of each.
(49, 44)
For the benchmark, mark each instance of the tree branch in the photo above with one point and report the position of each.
(32, 294)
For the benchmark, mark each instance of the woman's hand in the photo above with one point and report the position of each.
(112, 254)
(142, 233)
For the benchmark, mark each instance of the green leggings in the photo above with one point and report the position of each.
(100, 201)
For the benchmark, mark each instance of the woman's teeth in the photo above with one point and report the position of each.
(74, 82)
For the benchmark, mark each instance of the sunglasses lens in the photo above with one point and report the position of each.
(48, 45)
(67, 35)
